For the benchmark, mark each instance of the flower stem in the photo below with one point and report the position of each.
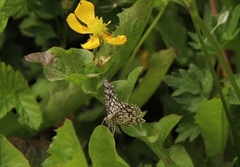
(216, 81)
(199, 21)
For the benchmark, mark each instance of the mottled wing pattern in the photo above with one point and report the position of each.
(128, 114)
(110, 97)
(119, 112)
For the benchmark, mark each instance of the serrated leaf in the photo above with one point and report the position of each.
(224, 28)
(65, 149)
(10, 156)
(214, 126)
(47, 9)
(73, 65)
(16, 8)
(231, 95)
(131, 24)
(187, 130)
(231, 29)
(157, 68)
(33, 27)
(102, 149)
(15, 93)
(191, 87)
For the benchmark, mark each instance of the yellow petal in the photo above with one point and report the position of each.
(119, 40)
(85, 12)
(75, 24)
(92, 43)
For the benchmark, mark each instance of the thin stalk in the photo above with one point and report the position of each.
(218, 87)
(219, 55)
(143, 38)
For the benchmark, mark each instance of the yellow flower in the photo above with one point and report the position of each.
(92, 25)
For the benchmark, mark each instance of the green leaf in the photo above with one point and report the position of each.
(65, 149)
(231, 28)
(123, 88)
(191, 87)
(10, 156)
(58, 99)
(157, 68)
(224, 28)
(231, 95)
(3, 21)
(16, 8)
(102, 149)
(74, 65)
(47, 9)
(154, 135)
(214, 126)
(174, 34)
(179, 155)
(132, 22)
(187, 130)
(33, 27)
(15, 93)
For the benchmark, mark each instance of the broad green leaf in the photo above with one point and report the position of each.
(102, 149)
(16, 8)
(174, 34)
(214, 126)
(154, 135)
(15, 93)
(123, 88)
(157, 68)
(132, 22)
(74, 65)
(58, 99)
(3, 21)
(191, 87)
(2, 2)
(65, 149)
(10, 156)
(91, 114)
(179, 155)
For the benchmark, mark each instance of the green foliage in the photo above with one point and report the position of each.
(45, 76)
(224, 28)
(10, 156)
(65, 149)
(216, 143)
(157, 68)
(191, 87)
(102, 149)
(19, 97)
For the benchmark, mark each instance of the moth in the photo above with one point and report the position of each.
(119, 113)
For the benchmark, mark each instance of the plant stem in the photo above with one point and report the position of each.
(143, 38)
(219, 55)
(218, 86)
